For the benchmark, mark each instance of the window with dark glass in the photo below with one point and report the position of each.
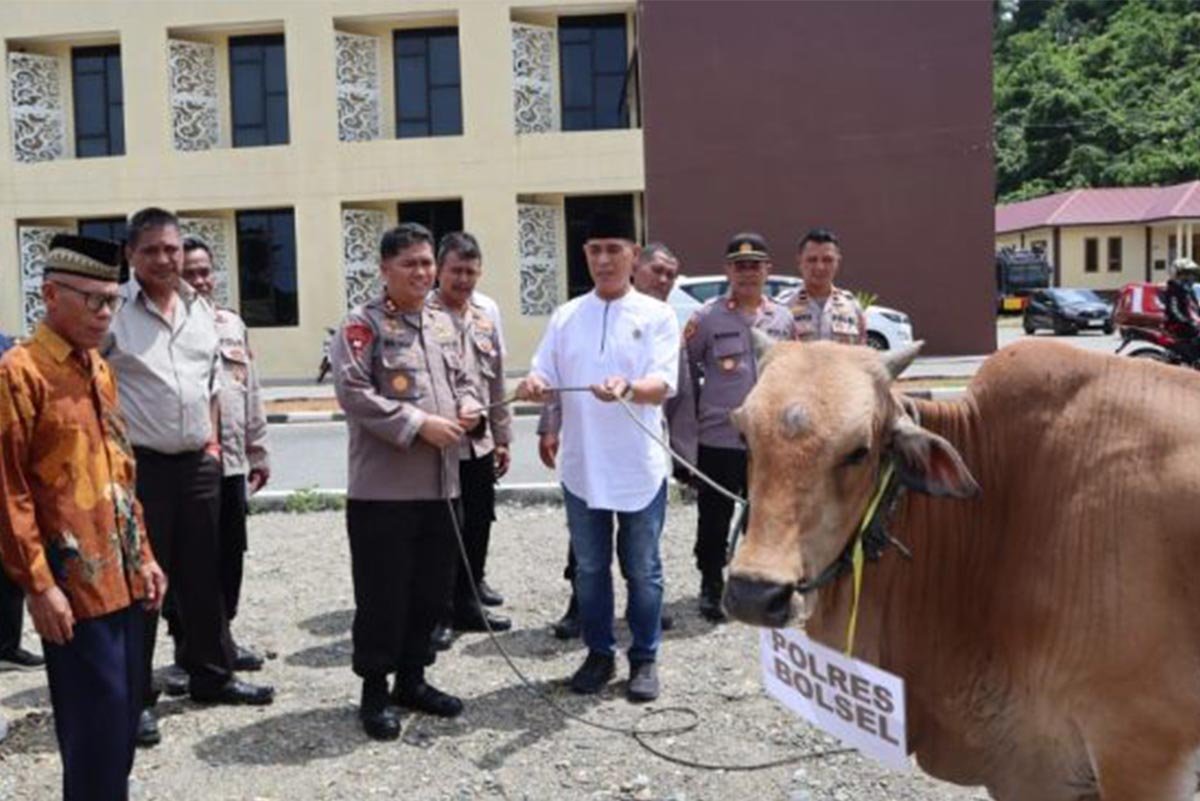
(593, 62)
(1114, 254)
(111, 228)
(578, 211)
(258, 87)
(428, 82)
(439, 216)
(266, 244)
(1091, 255)
(99, 105)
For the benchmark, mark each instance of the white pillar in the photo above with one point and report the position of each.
(1179, 247)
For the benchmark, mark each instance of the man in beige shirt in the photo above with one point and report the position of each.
(163, 347)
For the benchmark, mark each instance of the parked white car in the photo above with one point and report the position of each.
(887, 329)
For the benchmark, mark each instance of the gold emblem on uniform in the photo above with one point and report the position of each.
(728, 363)
(401, 383)
(745, 247)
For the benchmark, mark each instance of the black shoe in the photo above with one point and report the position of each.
(710, 599)
(379, 718)
(487, 595)
(424, 697)
(668, 621)
(442, 637)
(596, 671)
(246, 661)
(20, 660)
(479, 619)
(174, 681)
(643, 682)
(567, 627)
(148, 734)
(236, 692)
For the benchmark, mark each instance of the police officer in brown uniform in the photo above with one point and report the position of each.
(719, 347)
(820, 310)
(484, 452)
(398, 374)
(243, 430)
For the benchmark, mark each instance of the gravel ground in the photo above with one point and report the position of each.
(507, 745)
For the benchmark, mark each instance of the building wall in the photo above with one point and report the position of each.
(1133, 264)
(489, 167)
(873, 118)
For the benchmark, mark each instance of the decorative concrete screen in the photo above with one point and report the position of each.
(361, 231)
(537, 255)
(213, 232)
(195, 116)
(35, 246)
(35, 108)
(357, 74)
(534, 110)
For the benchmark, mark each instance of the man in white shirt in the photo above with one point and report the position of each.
(620, 345)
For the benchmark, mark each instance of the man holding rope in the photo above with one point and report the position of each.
(622, 347)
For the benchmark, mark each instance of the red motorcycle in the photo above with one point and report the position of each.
(1159, 345)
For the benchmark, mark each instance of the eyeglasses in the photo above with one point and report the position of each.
(95, 301)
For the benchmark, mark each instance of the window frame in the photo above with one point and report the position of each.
(1091, 254)
(1118, 257)
(247, 271)
(425, 36)
(271, 137)
(591, 23)
(111, 55)
(438, 211)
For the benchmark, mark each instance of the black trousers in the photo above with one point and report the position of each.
(96, 691)
(402, 561)
(180, 496)
(477, 477)
(727, 467)
(11, 600)
(233, 541)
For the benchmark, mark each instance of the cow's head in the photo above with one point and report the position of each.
(818, 424)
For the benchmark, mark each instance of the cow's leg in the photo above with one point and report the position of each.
(1143, 767)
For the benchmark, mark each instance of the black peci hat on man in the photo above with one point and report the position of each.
(84, 256)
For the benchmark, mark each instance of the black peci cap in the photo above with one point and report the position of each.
(603, 225)
(84, 256)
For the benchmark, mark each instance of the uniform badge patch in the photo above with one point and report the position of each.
(728, 363)
(401, 383)
(358, 337)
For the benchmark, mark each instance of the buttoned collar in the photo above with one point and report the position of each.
(60, 350)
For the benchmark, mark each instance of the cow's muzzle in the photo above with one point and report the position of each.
(759, 603)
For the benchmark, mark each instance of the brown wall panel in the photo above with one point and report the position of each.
(872, 118)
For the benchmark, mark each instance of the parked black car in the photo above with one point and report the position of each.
(1068, 311)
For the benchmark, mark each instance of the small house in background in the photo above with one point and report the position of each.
(1106, 238)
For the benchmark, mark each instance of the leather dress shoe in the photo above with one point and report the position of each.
(174, 681)
(479, 619)
(567, 627)
(710, 600)
(442, 637)
(236, 692)
(379, 718)
(424, 697)
(246, 661)
(147, 731)
(487, 595)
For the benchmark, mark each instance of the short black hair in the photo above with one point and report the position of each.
(403, 237)
(822, 236)
(460, 242)
(191, 243)
(148, 219)
(653, 249)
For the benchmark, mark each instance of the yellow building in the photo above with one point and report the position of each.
(289, 135)
(1106, 238)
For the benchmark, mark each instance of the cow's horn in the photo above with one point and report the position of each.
(897, 361)
(762, 343)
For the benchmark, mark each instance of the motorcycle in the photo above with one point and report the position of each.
(1156, 344)
(324, 367)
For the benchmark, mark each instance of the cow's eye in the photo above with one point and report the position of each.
(857, 455)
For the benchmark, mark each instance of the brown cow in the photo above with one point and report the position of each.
(1047, 626)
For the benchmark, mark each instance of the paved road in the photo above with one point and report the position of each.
(313, 455)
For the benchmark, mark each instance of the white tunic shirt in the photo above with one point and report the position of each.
(604, 458)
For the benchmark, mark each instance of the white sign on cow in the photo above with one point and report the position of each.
(858, 703)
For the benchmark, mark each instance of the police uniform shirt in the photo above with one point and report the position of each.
(391, 370)
(839, 318)
(720, 349)
(243, 420)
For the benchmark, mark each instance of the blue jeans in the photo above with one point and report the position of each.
(637, 548)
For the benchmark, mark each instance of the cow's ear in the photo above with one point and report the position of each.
(928, 463)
